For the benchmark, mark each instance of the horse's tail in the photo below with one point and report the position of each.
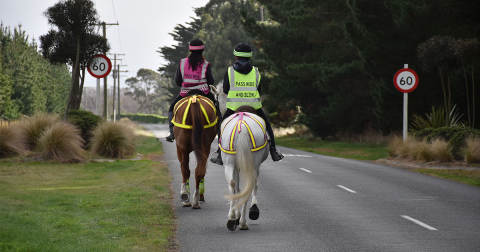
(246, 166)
(198, 124)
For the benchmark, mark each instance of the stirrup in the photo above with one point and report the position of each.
(276, 154)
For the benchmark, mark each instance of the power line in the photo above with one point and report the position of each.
(118, 28)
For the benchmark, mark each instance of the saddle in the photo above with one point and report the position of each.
(186, 103)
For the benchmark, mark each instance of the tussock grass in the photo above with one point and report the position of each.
(114, 139)
(442, 150)
(438, 150)
(33, 128)
(394, 146)
(61, 141)
(420, 150)
(12, 141)
(88, 206)
(398, 148)
(472, 150)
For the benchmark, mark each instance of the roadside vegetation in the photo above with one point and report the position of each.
(440, 146)
(51, 205)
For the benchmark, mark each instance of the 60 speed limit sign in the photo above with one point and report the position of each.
(99, 66)
(405, 80)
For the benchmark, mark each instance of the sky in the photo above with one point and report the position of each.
(143, 28)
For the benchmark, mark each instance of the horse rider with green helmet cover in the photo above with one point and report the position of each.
(241, 78)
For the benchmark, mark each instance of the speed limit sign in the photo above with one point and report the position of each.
(99, 66)
(405, 80)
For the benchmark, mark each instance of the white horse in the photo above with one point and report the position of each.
(244, 147)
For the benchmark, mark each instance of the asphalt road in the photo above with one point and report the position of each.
(311, 202)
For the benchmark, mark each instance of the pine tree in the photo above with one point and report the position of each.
(310, 64)
(183, 35)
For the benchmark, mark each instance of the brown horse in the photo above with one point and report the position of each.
(195, 128)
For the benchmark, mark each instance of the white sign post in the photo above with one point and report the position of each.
(405, 80)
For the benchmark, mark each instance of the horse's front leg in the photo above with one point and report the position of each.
(185, 188)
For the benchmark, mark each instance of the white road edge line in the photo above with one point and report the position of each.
(346, 189)
(418, 222)
(303, 169)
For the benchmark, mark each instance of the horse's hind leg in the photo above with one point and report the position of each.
(185, 189)
(243, 219)
(199, 176)
(254, 212)
(229, 175)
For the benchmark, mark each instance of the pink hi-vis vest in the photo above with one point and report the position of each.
(193, 79)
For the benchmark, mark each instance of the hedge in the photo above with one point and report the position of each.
(145, 118)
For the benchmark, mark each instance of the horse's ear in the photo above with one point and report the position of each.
(214, 89)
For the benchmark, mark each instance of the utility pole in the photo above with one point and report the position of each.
(118, 107)
(114, 82)
(105, 87)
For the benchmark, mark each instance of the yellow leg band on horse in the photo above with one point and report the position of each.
(202, 186)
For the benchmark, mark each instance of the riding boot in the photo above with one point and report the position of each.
(217, 157)
(274, 153)
(170, 137)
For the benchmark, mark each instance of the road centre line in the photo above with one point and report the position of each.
(418, 222)
(295, 155)
(303, 169)
(346, 189)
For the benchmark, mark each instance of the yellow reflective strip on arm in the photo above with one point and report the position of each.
(252, 138)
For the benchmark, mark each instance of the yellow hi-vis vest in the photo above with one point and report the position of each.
(243, 89)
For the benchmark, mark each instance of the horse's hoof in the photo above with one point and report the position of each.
(243, 227)
(232, 225)
(196, 207)
(254, 212)
(202, 198)
(186, 204)
(184, 197)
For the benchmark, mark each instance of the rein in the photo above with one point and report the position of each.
(190, 100)
(238, 128)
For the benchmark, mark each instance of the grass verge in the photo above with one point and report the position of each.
(359, 151)
(367, 151)
(108, 206)
(469, 177)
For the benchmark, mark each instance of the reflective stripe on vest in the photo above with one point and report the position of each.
(243, 89)
(203, 77)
